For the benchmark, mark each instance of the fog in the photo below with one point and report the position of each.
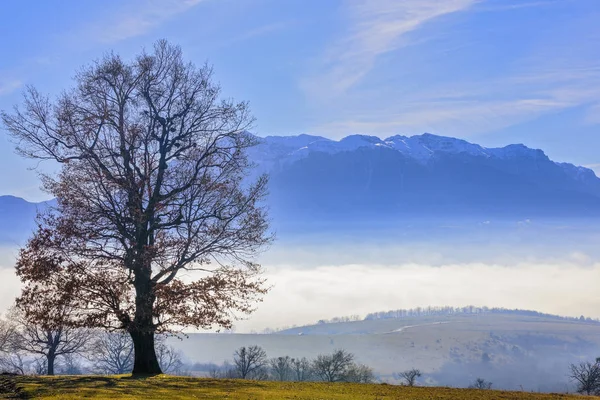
(321, 279)
(303, 295)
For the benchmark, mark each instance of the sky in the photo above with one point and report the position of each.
(494, 72)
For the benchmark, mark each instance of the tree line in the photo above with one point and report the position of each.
(252, 362)
(27, 348)
(467, 310)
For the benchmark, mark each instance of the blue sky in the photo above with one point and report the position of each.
(491, 71)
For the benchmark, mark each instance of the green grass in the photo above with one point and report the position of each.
(166, 387)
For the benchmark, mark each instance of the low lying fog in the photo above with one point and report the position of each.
(320, 281)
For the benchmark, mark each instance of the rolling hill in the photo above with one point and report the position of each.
(512, 350)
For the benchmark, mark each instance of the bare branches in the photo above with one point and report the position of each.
(250, 362)
(112, 353)
(153, 183)
(587, 377)
(334, 367)
(409, 377)
(48, 339)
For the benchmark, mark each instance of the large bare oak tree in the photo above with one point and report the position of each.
(156, 226)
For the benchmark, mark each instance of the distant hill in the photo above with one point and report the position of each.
(514, 351)
(17, 219)
(346, 325)
(381, 180)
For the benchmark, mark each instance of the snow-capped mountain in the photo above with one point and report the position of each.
(364, 176)
(366, 180)
(420, 148)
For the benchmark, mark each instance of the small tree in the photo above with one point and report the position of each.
(71, 365)
(360, 373)
(409, 377)
(587, 377)
(302, 369)
(7, 331)
(281, 368)
(112, 353)
(225, 371)
(49, 338)
(250, 362)
(169, 359)
(333, 367)
(480, 383)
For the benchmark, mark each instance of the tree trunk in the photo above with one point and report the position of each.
(145, 360)
(50, 367)
(142, 331)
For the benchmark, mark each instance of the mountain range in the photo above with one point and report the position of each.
(424, 176)
(315, 181)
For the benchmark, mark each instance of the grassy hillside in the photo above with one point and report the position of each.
(163, 387)
(529, 352)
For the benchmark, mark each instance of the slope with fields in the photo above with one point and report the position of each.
(513, 351)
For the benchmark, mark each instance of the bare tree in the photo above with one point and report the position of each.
(302, 369)
(49, 338)
(333, 367)
(71, 365)
(152, 183)
(359, 373)
(169, 359)
(7, 331)
(409, 377)
(587, 377)
(13, 362)
(480, 383)
(112, 353)
(225, 371)
(250, 362)
(281, 368)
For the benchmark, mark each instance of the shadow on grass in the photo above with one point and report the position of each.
(127, 384)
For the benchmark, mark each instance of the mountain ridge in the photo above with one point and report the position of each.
(419, 147)
(363, 181)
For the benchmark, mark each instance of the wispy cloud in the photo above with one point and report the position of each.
(257, 32)
(328, 291)
(454, 93)
(138, 19)
(375, 28)
(8, 86)
(475, 107)
(507, 5)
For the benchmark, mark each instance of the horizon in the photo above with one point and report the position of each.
(453, 68)
(404, 192)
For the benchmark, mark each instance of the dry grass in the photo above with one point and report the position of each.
(165, 387)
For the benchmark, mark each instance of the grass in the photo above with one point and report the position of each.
(178, 388)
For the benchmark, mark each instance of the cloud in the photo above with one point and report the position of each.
(592, 116)
(305, 295)
(8, 86)
(376, 28)
(139, 19)
(436, 82)
(506, 5)
(469, 108)
(257, 32)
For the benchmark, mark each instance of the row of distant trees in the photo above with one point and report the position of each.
(468, 310)
(253, 363)
(32, 348)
